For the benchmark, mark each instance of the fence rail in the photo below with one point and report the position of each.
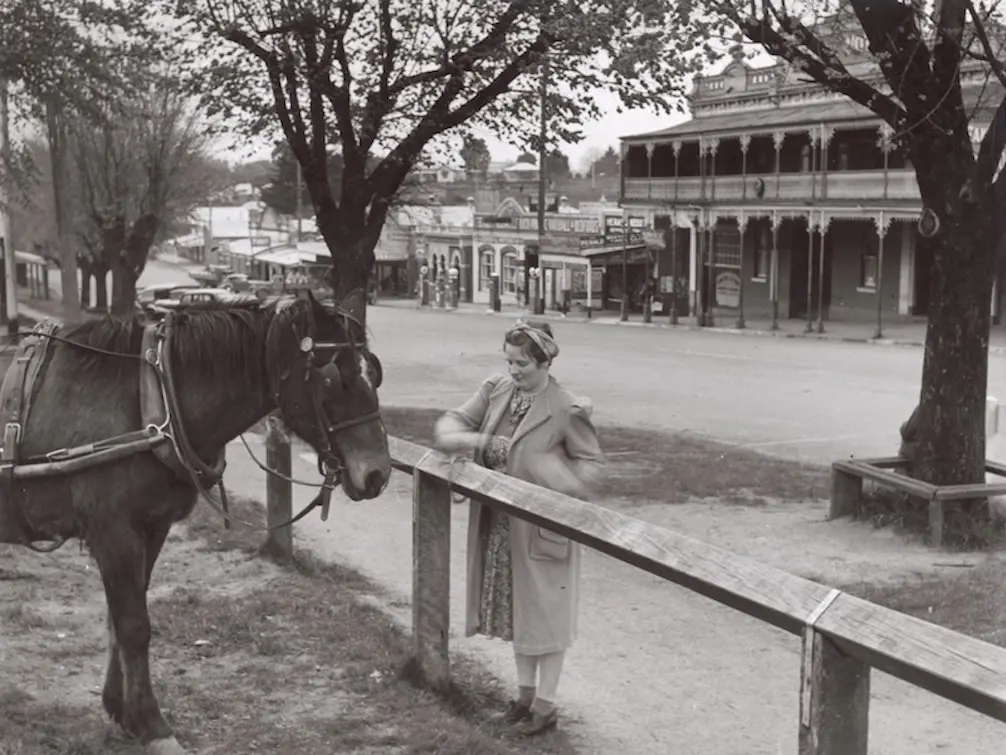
(844, 637)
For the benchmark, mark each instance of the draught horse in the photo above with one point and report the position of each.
(112, 426)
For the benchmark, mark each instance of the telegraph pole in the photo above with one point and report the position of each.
(542, 159)
(9, 264)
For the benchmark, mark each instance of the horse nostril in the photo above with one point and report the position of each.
(373, 483)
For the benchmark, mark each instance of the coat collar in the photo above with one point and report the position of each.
(539, 413)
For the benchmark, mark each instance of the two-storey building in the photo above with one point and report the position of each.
(779, 199)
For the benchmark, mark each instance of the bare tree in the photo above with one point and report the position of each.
(136, 169)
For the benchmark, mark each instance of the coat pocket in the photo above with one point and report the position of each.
(548, 546)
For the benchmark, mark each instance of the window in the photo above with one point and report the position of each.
(485, 267)
(762, 252)
(868, 271)
(727, 247)
(509, 283)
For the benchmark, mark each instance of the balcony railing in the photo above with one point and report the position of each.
(795, 187)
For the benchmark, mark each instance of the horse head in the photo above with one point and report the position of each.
(324, 380)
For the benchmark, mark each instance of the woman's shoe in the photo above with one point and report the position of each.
(540, 723)
(515, 712)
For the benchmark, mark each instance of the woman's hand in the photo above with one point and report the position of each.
(455, 442)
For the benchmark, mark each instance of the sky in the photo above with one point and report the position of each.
(599, 134)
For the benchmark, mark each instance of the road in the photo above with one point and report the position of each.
(803, 399)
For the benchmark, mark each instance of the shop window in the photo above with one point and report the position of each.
(868, 271)
(485, 268)
(509, 282)
(727, 247)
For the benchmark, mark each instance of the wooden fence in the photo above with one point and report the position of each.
(843, 636)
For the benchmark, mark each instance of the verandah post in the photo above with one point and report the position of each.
(431, 576)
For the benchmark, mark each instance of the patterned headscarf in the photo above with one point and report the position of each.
(541, 339)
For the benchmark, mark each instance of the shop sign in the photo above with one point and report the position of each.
(728, 290)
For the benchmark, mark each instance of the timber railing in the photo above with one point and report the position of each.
(844, 637)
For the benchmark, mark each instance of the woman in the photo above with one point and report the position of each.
(523, 580)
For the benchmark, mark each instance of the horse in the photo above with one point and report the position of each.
(121, 423)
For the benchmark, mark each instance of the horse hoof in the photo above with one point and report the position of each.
(167, 746)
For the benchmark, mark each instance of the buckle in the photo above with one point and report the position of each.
(11, 433)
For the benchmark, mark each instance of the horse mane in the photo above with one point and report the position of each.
(208, 340)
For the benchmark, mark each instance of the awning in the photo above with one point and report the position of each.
(286, 257)
(634, 255)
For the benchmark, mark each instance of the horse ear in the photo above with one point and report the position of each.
(354, 304)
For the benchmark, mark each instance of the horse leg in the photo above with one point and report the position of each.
(111, 694)
(125, 566)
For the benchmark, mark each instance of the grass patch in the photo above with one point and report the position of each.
(967, 599)
(647, 465)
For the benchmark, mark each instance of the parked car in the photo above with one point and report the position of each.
(158, 292)
(211, 275)
(201, 297)
(240, 283)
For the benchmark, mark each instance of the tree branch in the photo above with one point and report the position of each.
(465, 60)
(998, 68)
(838, 79)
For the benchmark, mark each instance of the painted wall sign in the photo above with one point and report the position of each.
(728, 290)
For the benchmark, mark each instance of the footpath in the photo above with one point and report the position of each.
(899, 332)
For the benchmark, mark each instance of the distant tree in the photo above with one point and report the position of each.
(608, 164)
(136, 169)
(475, 154)
(280, 193)
(527, 157)
(257, 173)
(557, 166)
(590, 156)
(56, 57)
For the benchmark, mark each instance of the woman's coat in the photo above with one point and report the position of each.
(546, 566)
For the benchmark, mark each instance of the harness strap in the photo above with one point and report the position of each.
(206, 476)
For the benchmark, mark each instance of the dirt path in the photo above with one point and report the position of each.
(658, 669)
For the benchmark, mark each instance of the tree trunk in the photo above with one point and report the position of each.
(67, 255)
(123, 289)
(950, 446)
(101, 287)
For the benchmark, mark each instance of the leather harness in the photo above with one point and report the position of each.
(163, 432)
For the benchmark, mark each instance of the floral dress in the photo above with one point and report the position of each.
(496, 607)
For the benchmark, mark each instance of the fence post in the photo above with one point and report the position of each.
(279, 492)
(834, 699)
(431, 576)
(846, 494)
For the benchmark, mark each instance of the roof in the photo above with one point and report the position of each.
(838, 110)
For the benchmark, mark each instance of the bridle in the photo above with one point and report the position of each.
(324, 381)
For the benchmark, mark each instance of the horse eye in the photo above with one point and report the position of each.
(378, 370)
